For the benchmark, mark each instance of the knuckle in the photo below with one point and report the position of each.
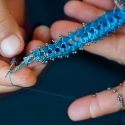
(96, 108)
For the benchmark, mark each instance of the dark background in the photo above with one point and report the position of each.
(77, 76)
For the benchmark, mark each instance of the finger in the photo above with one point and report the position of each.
(105, 4)
(82, 11)
(85, 12)
(105, 102)
(20, 78)
(42, 33)
(36, 67)
(13, 6)
(11, 40)
(6, 89)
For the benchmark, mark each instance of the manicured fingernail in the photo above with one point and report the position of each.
(10, 45)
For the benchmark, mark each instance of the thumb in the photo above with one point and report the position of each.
(11, 40)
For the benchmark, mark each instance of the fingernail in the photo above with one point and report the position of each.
(10, 45)
(44, 28)
(80, 109)
(46, 33)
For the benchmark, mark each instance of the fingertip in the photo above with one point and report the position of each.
(69, 7)
(72, 111)
(80, 109)
(42, 33)
(24, 78)
(11, 38)
(11, 45)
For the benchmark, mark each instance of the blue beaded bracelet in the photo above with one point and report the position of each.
(91, 32)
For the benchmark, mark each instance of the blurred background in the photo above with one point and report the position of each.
(77, 76)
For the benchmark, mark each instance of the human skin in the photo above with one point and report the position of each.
(12, 37)
(111, 47)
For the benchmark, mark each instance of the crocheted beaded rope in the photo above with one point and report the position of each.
(93, 31)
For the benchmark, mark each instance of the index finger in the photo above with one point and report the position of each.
(21, 78)
(105, 102)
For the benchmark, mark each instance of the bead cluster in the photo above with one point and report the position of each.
(119, 98)
(91, 32)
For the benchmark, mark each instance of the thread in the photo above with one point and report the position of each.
(40, 91)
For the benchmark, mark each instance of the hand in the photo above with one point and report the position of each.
(112, 47)
(12, 36)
